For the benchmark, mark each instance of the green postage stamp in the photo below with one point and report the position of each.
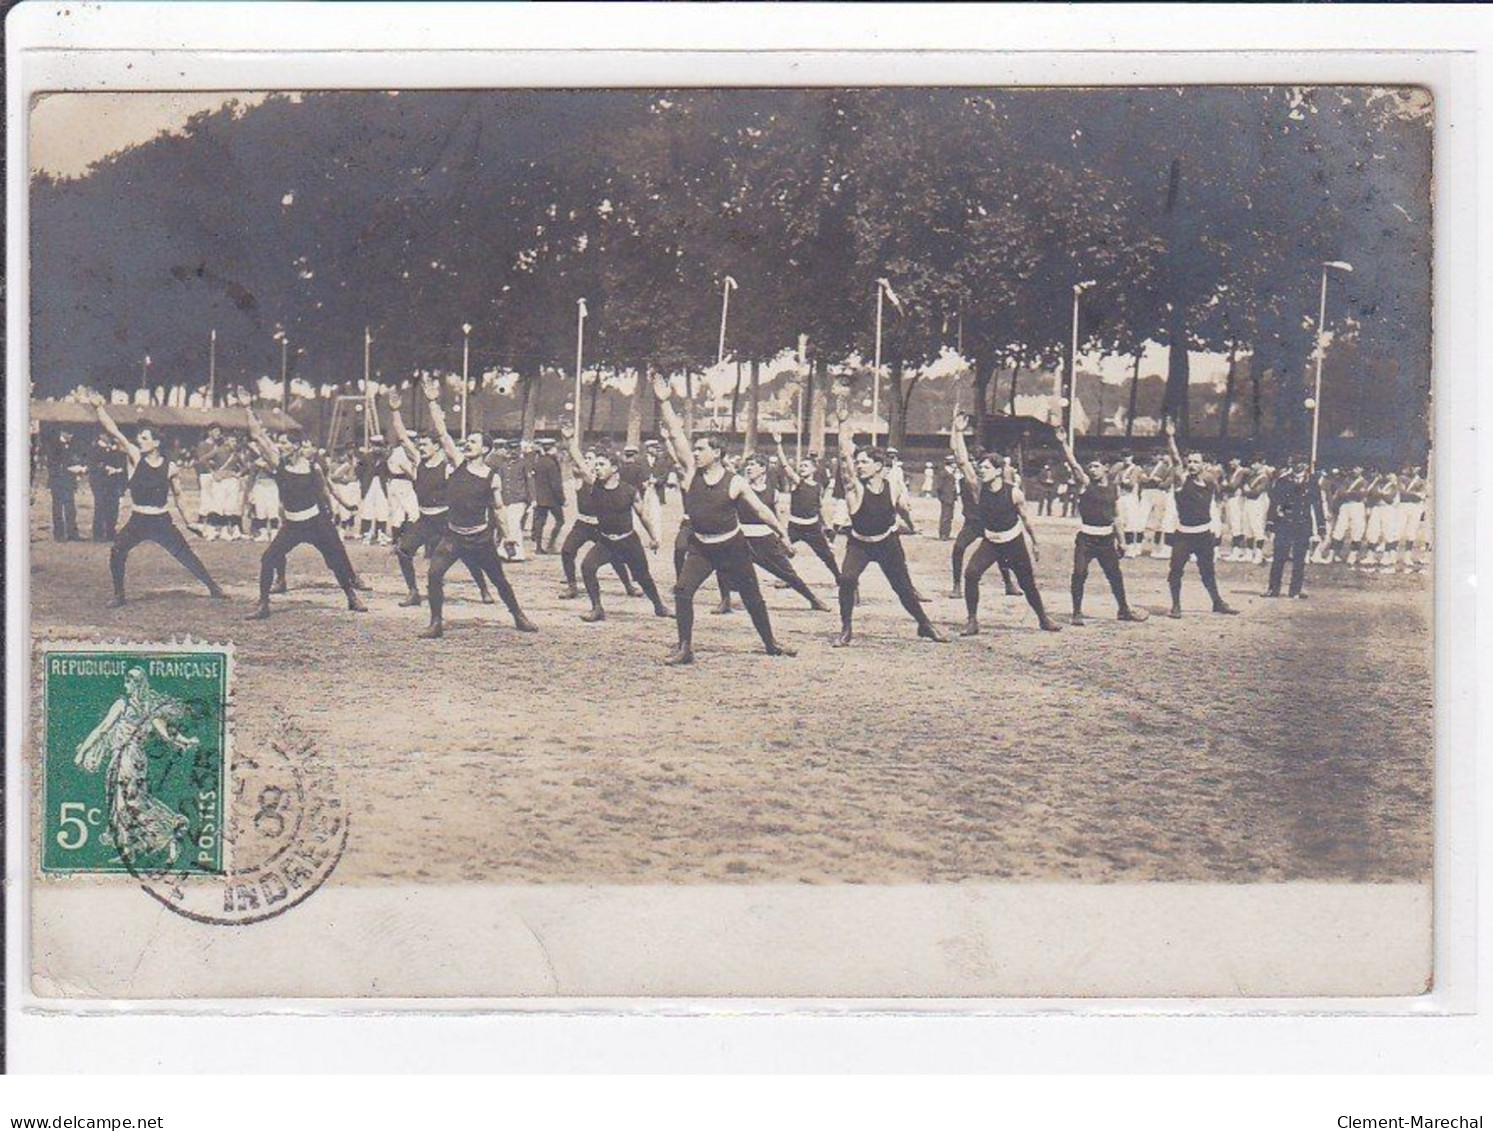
(136, 747)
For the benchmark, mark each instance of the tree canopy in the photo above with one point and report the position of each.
(1201, 215)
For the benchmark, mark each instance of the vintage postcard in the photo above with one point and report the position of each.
(926, 542)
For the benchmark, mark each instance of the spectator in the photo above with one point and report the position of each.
(64, 465)
(106, 478)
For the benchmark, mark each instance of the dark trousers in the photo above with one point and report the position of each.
(581, 535)
(626, 556)
(969, 534)
(318, 532)
(540, 514)
(157, 528)
(1099, 548)
(480, 555)
(1198, 546)
(945, 519)
(64, 512)
(768, 555)
(813, 537)
(733, 560)
(890, 557)
(1291, 544)
(425, 533)
(105, 513)
(1013, 555)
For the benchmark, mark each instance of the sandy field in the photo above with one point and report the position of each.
(1291, 742)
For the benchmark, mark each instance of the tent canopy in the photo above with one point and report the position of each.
(78, 415)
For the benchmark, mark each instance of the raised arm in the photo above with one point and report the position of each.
(1169, 426)
(577, 457)
(789, 472)
(401, 434)
(261, 440)
(1080, 476)
(961, 449)
(432, 389)
(845, 437)
(106, 422)
(673, 429)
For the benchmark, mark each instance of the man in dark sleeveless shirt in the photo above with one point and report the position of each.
(584, 532)
(770, 553)
(873, 535)
(153, 480)
(1004, 530)
(426, 532)
(306, 507)
(474, 498)
(806, 508)
(1194, 486)
(716, 543)
(614, 501)
(1099, 534)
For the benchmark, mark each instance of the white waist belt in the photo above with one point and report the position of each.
(793, 518)
(138, 509)
(301, 516)
(1009, 535)
(882, 537)
(589, 518)
(1205, 528)
(1085, 528)
(617, 537)
(755, 530)
(434, 510)
(715, 539)
(469, 529)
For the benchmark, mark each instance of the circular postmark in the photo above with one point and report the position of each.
(285, 829)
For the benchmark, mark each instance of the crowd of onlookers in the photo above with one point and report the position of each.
(1373, 516)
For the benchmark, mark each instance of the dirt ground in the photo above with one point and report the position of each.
(1292, 742)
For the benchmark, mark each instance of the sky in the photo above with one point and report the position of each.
(69, 132)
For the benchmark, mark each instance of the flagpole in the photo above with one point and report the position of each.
(212, 366)
(727, 287)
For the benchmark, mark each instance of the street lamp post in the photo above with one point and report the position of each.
(466, 357)
(368, 403)
(580, 350)
(212, 367)
(145, 376)
(726, 288)
(284, 340)
(1072, 376)
(1316, 405)
(883, 288)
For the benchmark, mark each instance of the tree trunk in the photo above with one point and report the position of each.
(983, 374)
(635, 407)
(1228, 393)
(591, 408)
(817, 422)
(1011, 397)
(1134, 395)
(1257, 375)
(735, 396)
(754, 407)
(689, 400)
(1178, 371)
(529, 401)
(896, 405)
